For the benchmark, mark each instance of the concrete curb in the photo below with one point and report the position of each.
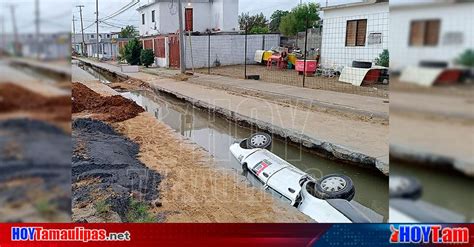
(409, 154)
(294, 100)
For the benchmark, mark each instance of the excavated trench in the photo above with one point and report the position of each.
(215, 134)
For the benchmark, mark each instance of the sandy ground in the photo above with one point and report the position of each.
(193, 188)
(291, 77)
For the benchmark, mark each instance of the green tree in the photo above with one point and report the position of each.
(147, 57)
(128, 32)
(252, 21)
(300, 18)
(275, 20)
(383, 59)
(466, 58)
(133, 51)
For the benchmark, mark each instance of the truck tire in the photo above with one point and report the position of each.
(404, 187)
(259, 140)
(334, 186)
(362, 64)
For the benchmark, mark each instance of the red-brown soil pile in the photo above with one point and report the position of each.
(107, 108)
(14, 98)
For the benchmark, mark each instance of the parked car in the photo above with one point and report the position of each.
(326, 200)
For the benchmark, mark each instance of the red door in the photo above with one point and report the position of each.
(174, 51)
(188, 19)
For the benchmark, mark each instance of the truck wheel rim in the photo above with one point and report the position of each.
(258, 140)
(333, 184)
(398, 183)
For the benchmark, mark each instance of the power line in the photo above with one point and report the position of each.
(121, 10)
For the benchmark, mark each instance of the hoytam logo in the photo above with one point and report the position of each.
(435, 234)
(75, 234)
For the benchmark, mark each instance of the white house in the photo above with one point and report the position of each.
(160, 16)
(354, 31)
(430, 31)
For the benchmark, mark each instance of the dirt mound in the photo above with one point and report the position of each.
(16, 98)
(108, 108)
(108, 175)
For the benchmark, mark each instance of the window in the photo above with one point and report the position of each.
(92, 36)
(143, 19)
(152, 16)
(188, 19)
(424, 33)
(355, 32)
(108, 35)
(374, 38)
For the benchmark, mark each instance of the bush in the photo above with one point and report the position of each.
(466, 58)
(147, 57)
(132, 51)
(383, 59)
(259, 30)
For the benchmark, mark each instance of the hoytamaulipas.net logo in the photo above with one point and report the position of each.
(435, 234)
(73, 234)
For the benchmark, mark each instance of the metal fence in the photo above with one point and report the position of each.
(343, 55)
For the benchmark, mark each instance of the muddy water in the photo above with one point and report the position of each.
(449, 190)
(216, 134)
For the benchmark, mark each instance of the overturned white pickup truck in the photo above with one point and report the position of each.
(326, 200)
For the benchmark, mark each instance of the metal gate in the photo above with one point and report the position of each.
(174, 51)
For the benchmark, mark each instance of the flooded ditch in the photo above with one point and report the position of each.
(215, 134)
(446, 189)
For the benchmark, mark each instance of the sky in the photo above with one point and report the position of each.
(57, 15)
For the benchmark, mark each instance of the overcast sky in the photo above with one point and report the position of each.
(56, 15)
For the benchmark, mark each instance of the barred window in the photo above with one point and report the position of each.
(424, 33)
(356, 32)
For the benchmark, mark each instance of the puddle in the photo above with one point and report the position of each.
(97, 74)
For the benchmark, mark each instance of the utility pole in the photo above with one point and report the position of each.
(4, 43)
(181, 38)
(97, 25)
(73, 29)
(15, 31)
(82, 29)
(37, 29)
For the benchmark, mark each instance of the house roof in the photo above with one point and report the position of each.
(348, 5)
(169, 1)
(402, 5)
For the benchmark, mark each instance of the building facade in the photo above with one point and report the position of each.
(434, 31)
(161, 16)
(355, 31)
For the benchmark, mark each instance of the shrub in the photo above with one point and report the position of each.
(383, 59)
(138, 212)
(466, 58)
(147, 57)
(259, 30)
(132, 51)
